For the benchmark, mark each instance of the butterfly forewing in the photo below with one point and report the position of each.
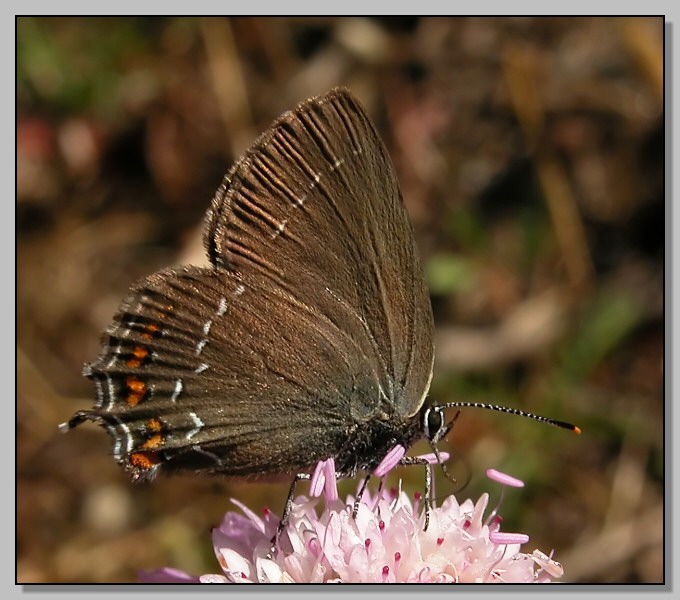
(315, 206)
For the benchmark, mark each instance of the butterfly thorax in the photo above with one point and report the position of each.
(369, 443)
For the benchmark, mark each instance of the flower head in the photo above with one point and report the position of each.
(384, 543)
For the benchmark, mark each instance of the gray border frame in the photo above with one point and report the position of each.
(671, 564)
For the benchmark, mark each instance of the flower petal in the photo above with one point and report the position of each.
(386, 542)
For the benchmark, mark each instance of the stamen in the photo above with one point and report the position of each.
(324, 480)
(431, 458)
(318, 480)
(501, 538)
(331, 487)
(504, 478)
(390, 461)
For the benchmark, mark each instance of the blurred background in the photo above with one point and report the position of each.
(531, 157)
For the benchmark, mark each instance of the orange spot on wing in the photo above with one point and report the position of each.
(137, 391)
(150, 330)
(154, 425)
(155, 440)
(144, 460)
(138, 355)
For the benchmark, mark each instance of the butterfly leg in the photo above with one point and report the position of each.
(414, 460)
(286, 510)
(355, 509)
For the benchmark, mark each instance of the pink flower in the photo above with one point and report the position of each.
(385, 543)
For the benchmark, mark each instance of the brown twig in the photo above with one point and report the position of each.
(522, 76)
(229, 83)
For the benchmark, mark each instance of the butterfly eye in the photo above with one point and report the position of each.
(433, 425)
